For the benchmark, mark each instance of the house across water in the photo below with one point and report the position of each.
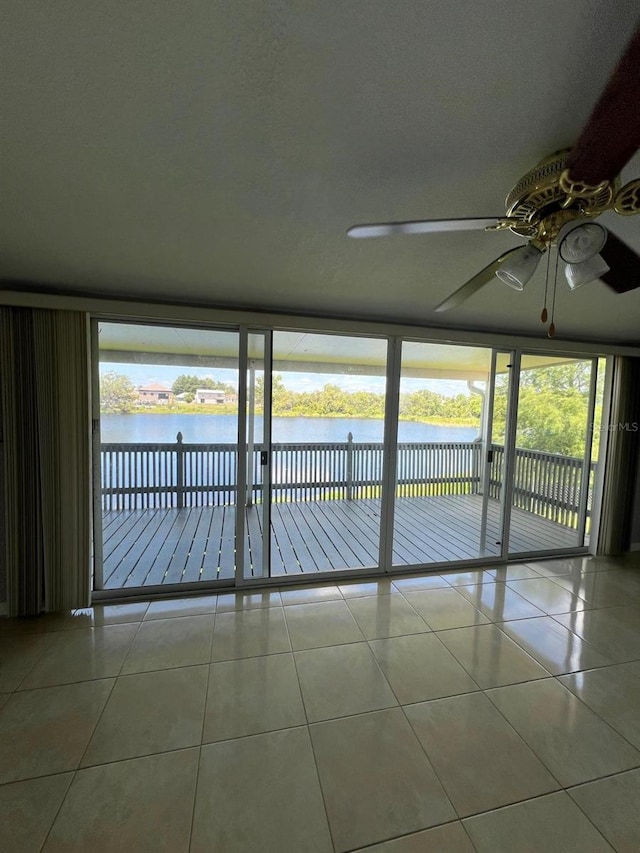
(210, 396)
(154, 394)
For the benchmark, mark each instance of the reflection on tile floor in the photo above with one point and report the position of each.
(494, 710)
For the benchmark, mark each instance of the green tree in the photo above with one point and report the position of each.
(118, 394)
(188, 384)
(558, 378)
(280, 397)
(552, 408)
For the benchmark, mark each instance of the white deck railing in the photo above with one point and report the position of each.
(138, 476)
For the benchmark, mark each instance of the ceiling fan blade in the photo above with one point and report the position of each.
(474, 284)
(624, 263)
(425, 226)
(612, 134)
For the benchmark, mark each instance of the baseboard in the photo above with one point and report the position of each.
(635, 546)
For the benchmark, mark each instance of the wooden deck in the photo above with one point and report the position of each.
(148, 547)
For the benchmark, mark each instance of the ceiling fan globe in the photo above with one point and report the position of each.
(520, 266)
(578, 242)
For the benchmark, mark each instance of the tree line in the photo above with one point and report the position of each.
(333, 401)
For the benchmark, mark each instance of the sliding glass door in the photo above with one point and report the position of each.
(448, 497)
(552, 470)
(325, 454)
(311, 453)
(165, 455)
(249, 455)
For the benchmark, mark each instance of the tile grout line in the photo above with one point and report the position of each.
(561, 788)
(89, 739)
(435, 772)
(602, 720)
(401, 707)
(573, 633)
(115, 680)
(538, 678)
(409, 835)
(204, 719)
(419, 615)
(597, 829)
(591, 781)
(613, 775)
(308, 730)
(59, 809)
(597, 713)
(17, 688)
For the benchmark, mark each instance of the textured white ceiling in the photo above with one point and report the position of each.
(217, 151)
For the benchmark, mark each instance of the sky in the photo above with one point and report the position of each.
(165, 374)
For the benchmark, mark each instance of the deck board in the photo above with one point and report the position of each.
(288, 535)
(142, 544)
(441, 528)
(341, 534)
(253, 547)
(195, 558)
(415, 527)
(167, 546)
(344, 519)
(227, 555)
(326, 545)
(303, 532)
(211, 556)
(179, 558)
(157, 568)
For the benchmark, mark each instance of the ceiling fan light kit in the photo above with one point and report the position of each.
(579, 246)
(554, 203)
(585, 272)
(520, 266)
(578, 242)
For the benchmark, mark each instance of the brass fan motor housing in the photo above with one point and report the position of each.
(540, 202)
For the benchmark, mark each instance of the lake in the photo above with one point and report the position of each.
(214, 429)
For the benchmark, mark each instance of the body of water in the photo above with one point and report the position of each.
(223, 429)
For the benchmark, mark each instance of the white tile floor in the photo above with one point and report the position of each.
(493, 711)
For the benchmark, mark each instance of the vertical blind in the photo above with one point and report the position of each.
(44, 369)
(622, 457)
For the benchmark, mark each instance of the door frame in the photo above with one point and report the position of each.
(96, 458)
(504, 517)
(244, 464)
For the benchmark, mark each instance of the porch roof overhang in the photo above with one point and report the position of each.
(299, 352)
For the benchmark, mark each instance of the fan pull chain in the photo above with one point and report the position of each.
(552, 328)
(544, 315)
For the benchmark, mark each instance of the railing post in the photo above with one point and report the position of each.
(478, 467)
(179, 472)
(349, 471)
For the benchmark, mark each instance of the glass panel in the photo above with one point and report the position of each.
(256, 550)
(169, 424)
(442, 427)
(596, 442)
(552, 433)
(492, 483)
(327, 451)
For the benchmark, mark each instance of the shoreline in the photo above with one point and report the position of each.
(428, 421)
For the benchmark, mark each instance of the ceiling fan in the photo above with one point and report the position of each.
(555, 203)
